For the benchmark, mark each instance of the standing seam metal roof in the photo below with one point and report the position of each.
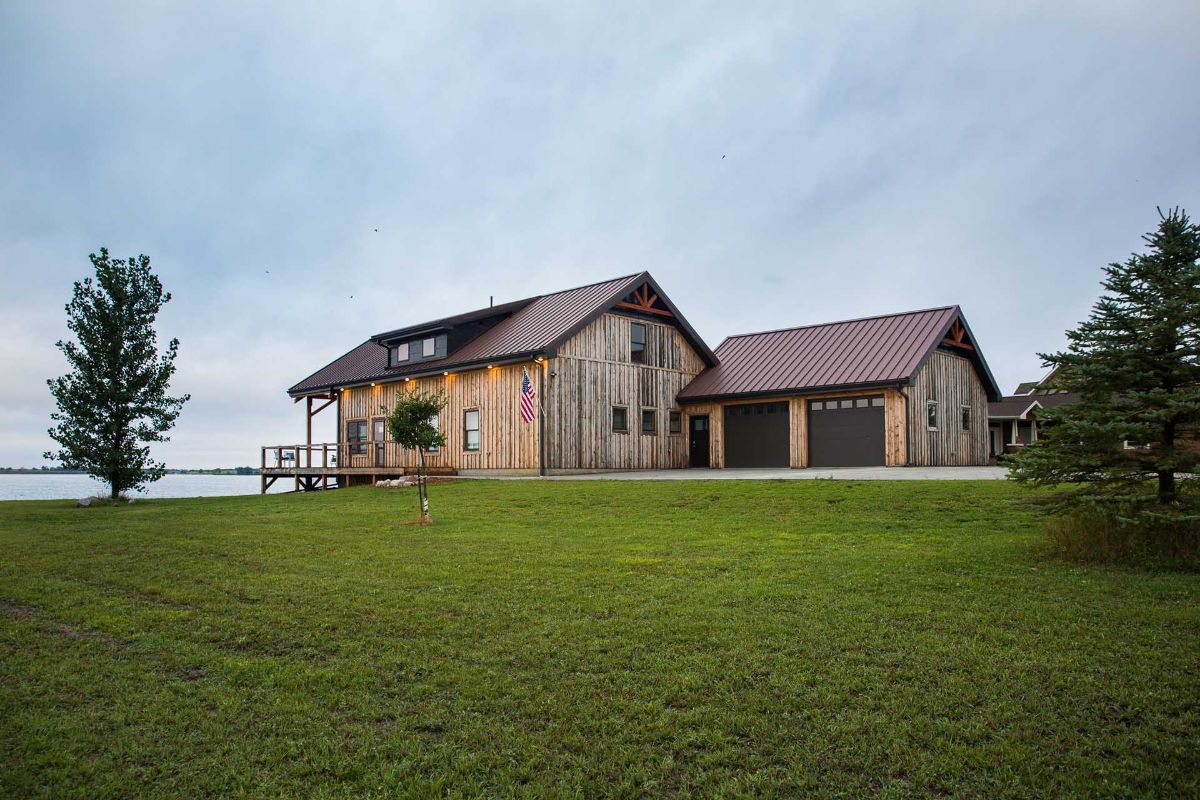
(873, 350)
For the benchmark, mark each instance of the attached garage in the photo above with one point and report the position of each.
(846, 432)
(756, 435)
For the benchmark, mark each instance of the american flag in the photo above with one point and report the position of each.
(527, 397)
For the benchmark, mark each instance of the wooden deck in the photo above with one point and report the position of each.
(324, 466)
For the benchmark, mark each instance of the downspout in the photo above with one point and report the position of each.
(542, 418)
(907, 426)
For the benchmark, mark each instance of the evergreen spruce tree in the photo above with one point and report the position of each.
(114, 400)
(1135, 363)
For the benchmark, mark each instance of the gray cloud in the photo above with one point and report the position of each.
(877, 159)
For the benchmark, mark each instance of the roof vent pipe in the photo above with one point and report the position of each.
(491, 301)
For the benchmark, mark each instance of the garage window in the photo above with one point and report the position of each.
(620, 419)
(966, 418)
(931, 415)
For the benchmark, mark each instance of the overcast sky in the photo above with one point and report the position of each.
(772, 165)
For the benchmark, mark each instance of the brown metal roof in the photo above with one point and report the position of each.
(862, 352)
(537, 326)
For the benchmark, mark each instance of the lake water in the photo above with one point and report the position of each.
(72, 487)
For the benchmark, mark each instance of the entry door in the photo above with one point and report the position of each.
(698, 441)
(378, 430)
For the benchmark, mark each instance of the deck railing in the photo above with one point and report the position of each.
(336, 455)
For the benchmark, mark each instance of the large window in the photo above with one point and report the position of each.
(471, 429)
(356, 436)
(649, 421)
(966, 418)
(931, 415)
(675, 422)
(637, 343)
(620, 419)
(428, 348)
(400, 353)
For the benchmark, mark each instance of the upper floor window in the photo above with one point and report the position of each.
(931, 415)
(637, 343)
(471, 429)
(428, 348)
(400, 353)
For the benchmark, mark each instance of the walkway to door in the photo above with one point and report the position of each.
(842, 473)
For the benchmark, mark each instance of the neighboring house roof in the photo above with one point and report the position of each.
(1019, 406)
(1025, 388)
(873, 351)
(1044, 386)
(536, 326)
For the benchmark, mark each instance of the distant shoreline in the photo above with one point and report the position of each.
(59, 471)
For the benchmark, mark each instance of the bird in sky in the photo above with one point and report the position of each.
(722, 156)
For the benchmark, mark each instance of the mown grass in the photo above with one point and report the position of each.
(587, 639)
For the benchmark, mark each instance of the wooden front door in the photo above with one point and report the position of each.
(698, 441)
(378, 433)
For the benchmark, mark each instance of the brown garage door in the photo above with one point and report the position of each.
(845, 432)
(756, 435)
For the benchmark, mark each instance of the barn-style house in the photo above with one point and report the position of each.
(623, 382)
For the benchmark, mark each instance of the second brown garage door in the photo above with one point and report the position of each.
(756, 435)
(845, 432)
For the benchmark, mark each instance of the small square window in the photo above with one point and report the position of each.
(847, 404)
(675, 422)
(966, 418)
(649, 421)
(816, 405)
(620, 419)
(877, 402)
(862, 403)
(637, 343)
(931, 415)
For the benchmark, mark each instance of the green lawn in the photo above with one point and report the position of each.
(830, 639)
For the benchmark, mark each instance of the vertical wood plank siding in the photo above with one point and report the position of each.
(593, 373)
(950, 380)
(505, 441)
(893, 421)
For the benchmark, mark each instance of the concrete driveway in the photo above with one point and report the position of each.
(840, 474)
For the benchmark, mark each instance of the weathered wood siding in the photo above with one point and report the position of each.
(893, 420)
(506, 442)
(952, 382)
(592, 373)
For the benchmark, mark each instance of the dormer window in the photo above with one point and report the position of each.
(428, 348)
(400, 353)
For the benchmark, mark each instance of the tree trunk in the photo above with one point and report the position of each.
(1166, 486)
(422, 489)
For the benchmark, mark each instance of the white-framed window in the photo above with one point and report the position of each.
(471, 429)
(966, 418)
(428, 347)
(931, 415)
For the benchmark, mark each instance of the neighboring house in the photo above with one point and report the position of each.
(1012, 420)
(623, 382)
(894, 390)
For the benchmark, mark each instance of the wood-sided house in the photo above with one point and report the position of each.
(607, 362)
(625, 383)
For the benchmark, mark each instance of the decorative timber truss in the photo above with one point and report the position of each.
(643, 299)
(957, 337)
